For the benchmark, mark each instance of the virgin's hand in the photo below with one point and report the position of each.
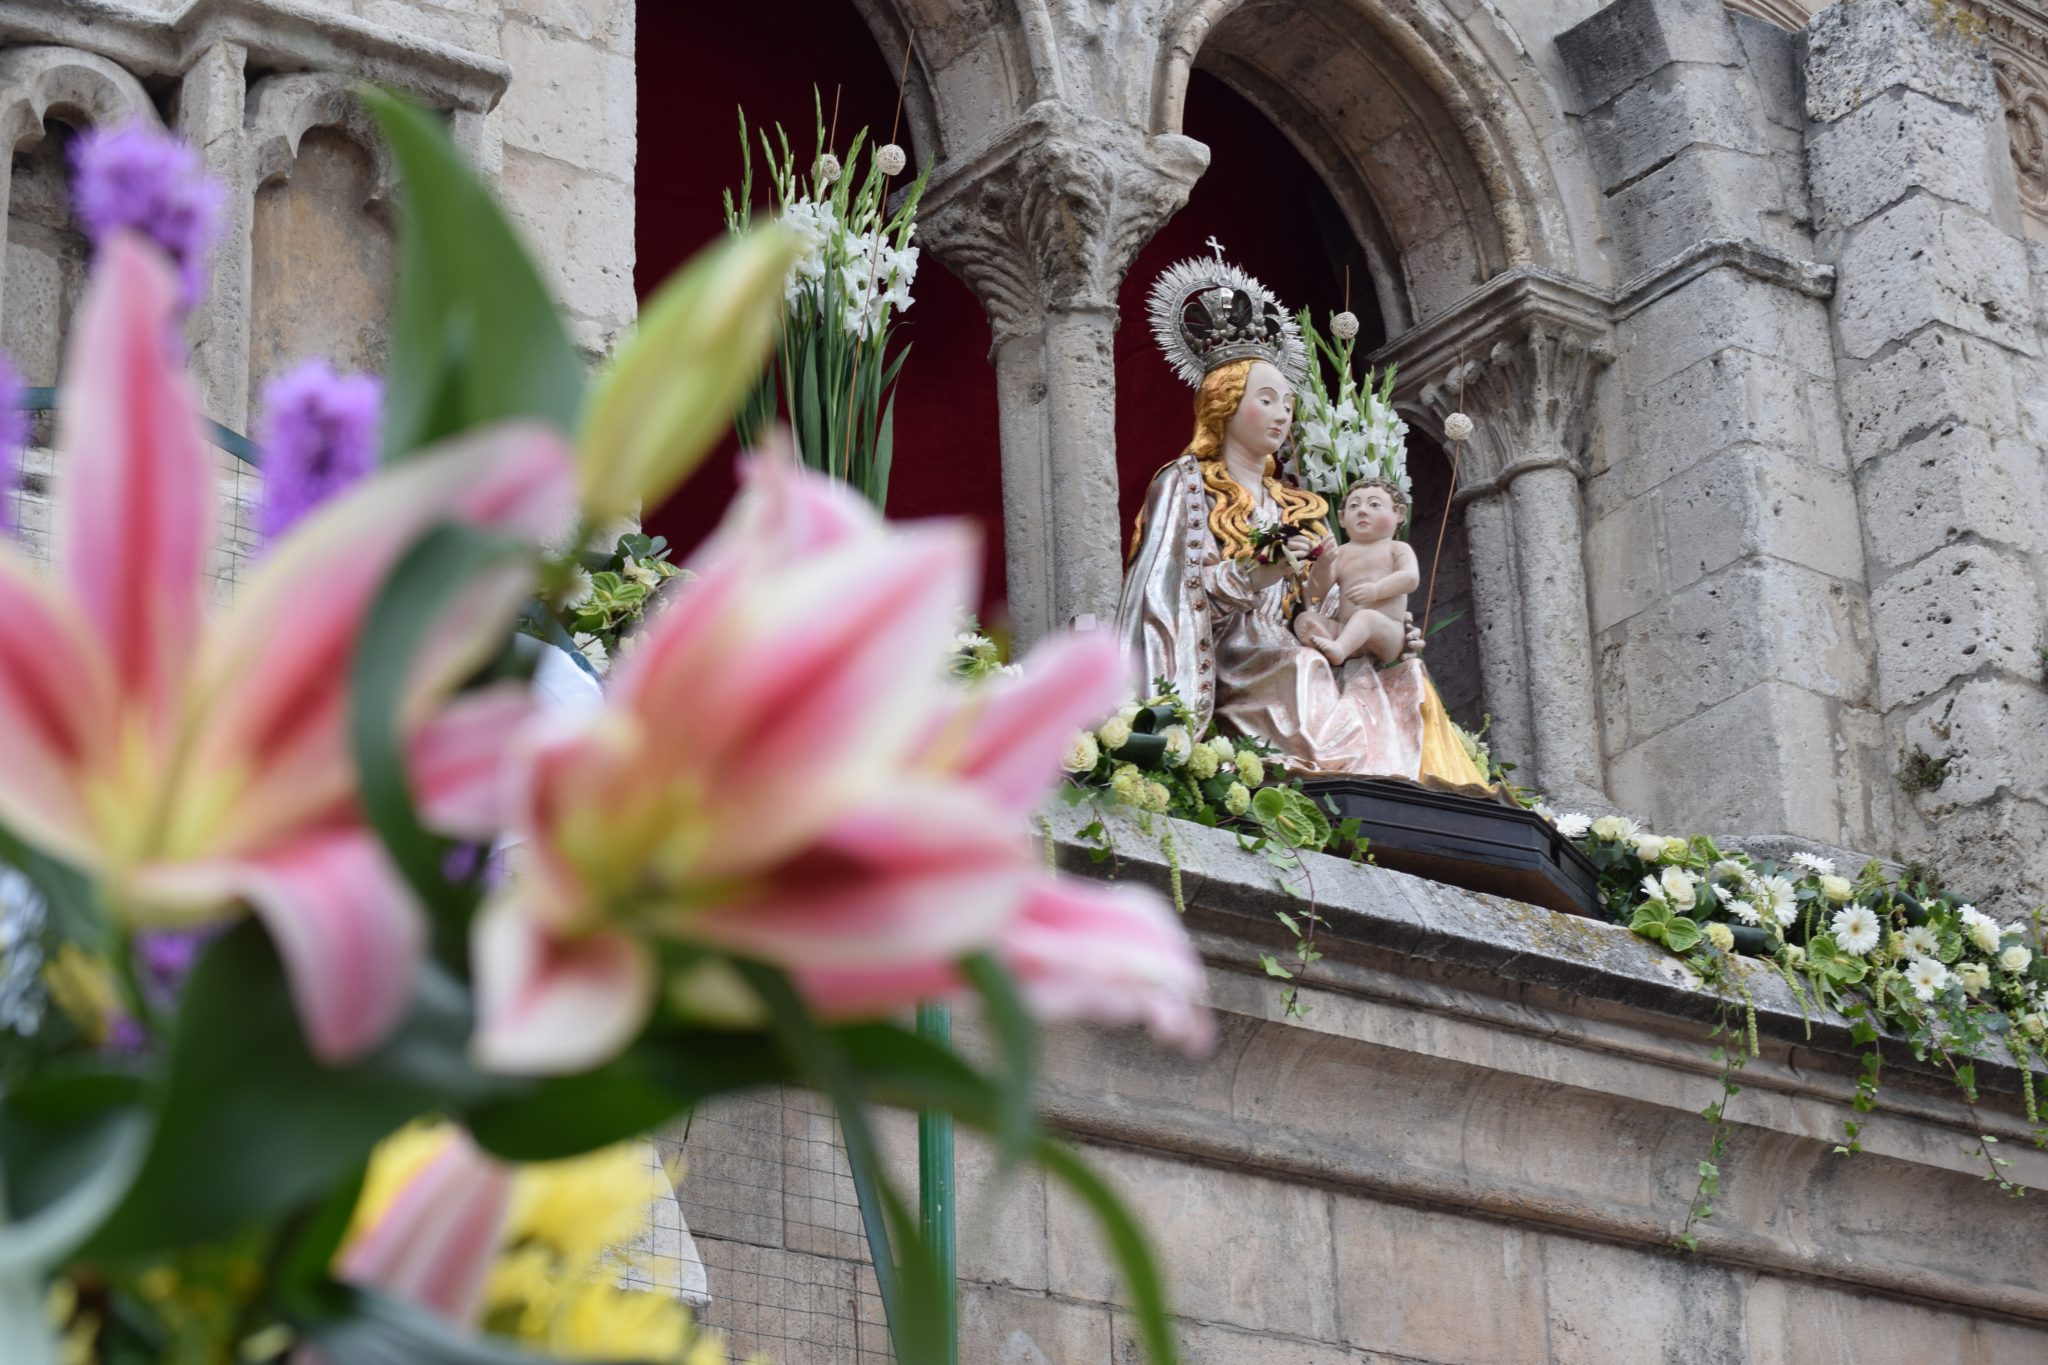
(1302, 547)
(1415, 638)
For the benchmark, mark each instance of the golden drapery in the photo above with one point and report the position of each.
(1196, 619)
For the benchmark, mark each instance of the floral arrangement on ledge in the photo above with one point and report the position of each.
(326, 945)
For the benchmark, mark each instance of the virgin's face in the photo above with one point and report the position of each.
(1262, 420)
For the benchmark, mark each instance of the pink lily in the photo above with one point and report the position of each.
(784, 773)
(188, 765)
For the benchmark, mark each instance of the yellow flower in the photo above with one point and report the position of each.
(82, 986)
(1721, 936)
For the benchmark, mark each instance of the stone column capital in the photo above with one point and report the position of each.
(1048, 216)
(1518, 356)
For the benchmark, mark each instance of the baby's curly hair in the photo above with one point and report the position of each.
(1400, 499)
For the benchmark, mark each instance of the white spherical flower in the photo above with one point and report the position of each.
(1457, 427)
(1179, 744)
(1974, 977)
(2015, 959)
(1921, 941)
(1114, 733)
(1926, 976)
(1779, 897)
(1615, 828)
(826, 169)
(1836, 889)
(1746, 912)
(1344, 326)
(891, 159)
(1082, 754)
(1573, 825)
(1855, 929)
(1814, 863)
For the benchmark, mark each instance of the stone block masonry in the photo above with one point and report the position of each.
(1936, 330)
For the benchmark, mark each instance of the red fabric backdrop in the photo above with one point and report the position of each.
(1258, 197)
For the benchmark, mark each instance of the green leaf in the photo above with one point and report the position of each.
(1126, 1243)
(413, 601)
(1018, 1038)
(230, 1147)
(475, 337)
(72, 1147)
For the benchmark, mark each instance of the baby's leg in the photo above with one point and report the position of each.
(1386, 634)
(1311, 626)
(1352, 637)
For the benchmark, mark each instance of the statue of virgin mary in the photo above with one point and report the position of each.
(1202, 605)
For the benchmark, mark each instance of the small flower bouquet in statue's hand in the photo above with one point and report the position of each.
(197, 1147)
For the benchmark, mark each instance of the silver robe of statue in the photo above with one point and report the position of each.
(1197, 619)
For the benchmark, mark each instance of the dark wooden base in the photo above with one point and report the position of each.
(1464, 841)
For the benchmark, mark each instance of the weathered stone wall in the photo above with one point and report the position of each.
(1475, 1149)
(538, 92)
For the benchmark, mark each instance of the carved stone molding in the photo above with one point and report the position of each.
(2018, 39)
(36, 80)
(283, 109)
(1048, 217)
(1519, 356)
(166, 37)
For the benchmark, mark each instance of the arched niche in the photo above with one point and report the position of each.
(322, 241)
(48, 95)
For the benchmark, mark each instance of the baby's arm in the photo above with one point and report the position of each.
(1404, 577)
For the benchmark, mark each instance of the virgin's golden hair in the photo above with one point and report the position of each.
(1230, 506)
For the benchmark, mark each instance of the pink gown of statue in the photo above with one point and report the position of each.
(1190, 616)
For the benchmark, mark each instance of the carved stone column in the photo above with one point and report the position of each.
(1042, 225)
(211, 103)
(1520, 357)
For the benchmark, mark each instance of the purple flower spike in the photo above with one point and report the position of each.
(143, 179)
(14, 429)
(319, 436)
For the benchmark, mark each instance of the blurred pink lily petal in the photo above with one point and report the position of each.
(841, 810)
(186, 765)
(434, 1244)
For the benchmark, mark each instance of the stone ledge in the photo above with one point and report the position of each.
(1379, 917)
(285, 34)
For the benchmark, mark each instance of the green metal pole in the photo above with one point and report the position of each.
(935, 1181)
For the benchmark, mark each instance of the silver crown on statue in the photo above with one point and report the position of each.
(1206, 312)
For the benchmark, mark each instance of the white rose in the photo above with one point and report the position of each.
(1082, 754)
(1179, 744)
(1615, 828)
(1114, 733)
(1678, 887)
(1974, 976)
(2015, 959)
(1649, 847)
(1836, 889)
(2034, 1024)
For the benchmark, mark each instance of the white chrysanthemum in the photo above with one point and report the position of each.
(580, 589)
(1855, 929)
(1779, 897)
(1573, 825)
(1652, 889)
(2015, 959)
(1721, 936)
(1745, 911)
(1979, 927)
(1179, 744)
(891, 159)
(1975, 977)
(1921, 941)
(1926, 977)
(1082, 753)
(1616, 828)
(1457, 427)
(1814, 863)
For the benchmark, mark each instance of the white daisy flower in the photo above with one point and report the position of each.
(1921, 941)
(1819, 866)
(1926, 976)
(1855, 929)
(1746, 912)
(1779, 897)
(1573, 825)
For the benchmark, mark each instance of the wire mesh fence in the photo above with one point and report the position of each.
(768, 1197)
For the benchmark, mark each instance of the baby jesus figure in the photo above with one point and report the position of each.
(1373, 574)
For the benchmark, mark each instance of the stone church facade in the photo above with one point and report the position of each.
(1748, 306)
